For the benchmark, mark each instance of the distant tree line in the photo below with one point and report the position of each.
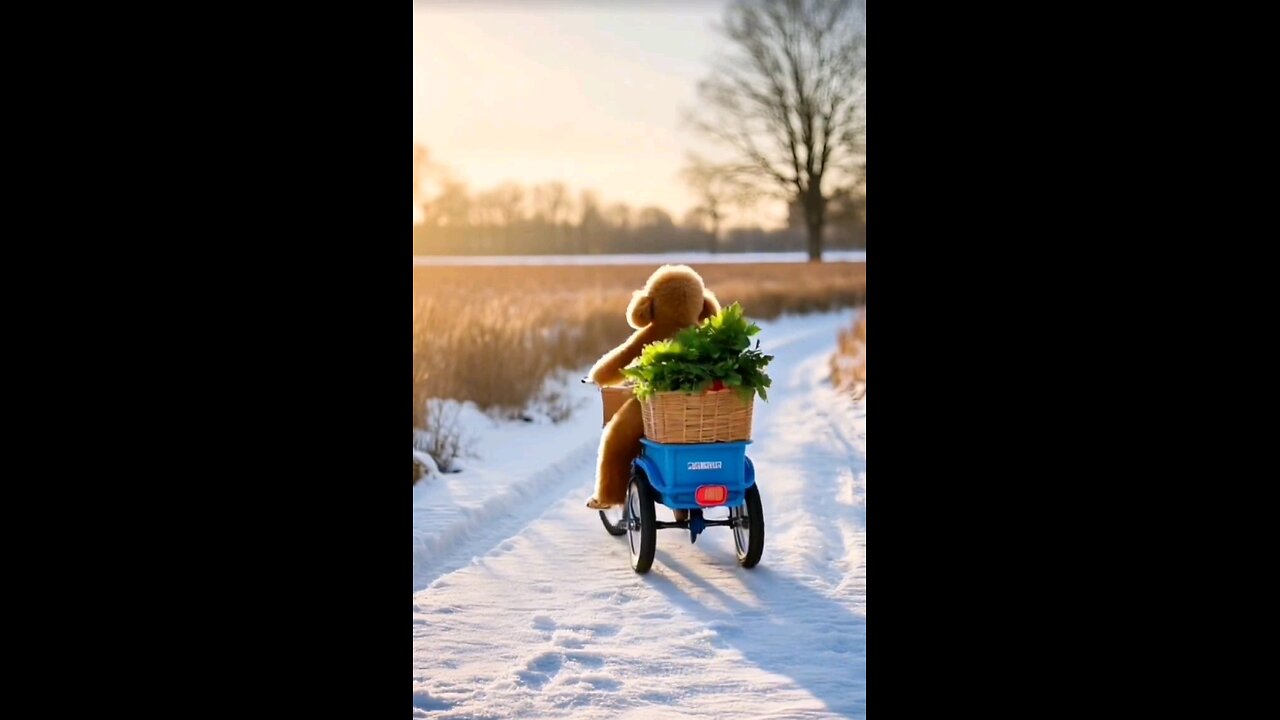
(549, 219)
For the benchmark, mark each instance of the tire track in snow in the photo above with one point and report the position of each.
(812, 470)
(483, 529)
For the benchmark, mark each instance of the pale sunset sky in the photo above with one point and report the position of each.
(591, 94)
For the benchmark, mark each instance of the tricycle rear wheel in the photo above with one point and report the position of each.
(748, 534)
(641, 523)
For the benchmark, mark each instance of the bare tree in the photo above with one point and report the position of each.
(696, 219)
(790, 102)
(484, 210)
(591, 222)
(451, 208)
(704, 179)
(419, 176)
(619, 216)
(501, 206)
(429, 177)
(654, 217)
(508, 204)
(716, 187)
(551, 202)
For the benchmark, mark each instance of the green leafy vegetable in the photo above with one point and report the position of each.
(718, 349)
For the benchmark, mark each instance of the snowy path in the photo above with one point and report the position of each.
(524, 606)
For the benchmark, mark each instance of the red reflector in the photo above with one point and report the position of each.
(711, 495)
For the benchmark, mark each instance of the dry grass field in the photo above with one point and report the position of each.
(849, 364)
(492, 334)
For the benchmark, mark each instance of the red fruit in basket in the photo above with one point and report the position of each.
(717, 385)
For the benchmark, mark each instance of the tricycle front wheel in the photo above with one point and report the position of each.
(615, 521)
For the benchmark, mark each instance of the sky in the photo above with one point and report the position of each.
(591, 94)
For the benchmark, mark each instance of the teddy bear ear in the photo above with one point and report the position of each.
(710, 306)
(640, 311)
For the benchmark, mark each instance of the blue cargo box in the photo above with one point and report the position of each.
(677, 471)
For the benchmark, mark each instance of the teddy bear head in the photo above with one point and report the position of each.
(673, 296)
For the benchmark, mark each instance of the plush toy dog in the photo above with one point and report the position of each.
(674, 298)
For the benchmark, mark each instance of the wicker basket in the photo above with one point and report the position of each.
(681, 418)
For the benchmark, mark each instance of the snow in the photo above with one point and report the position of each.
(525, 607)
(427, 462)
(687, 258)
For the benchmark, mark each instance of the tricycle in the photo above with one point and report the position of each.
(688, 479)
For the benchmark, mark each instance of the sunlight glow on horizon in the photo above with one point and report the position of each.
(593, 96)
